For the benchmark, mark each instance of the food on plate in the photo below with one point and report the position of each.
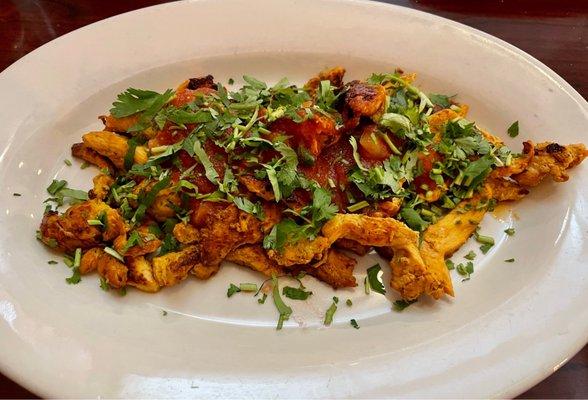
(288, 179)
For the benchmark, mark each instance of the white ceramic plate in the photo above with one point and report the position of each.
(507, 328)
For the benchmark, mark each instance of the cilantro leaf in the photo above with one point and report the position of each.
(400, 305)
(248, 206)
(232, 290)
(413, 219)
(440, 100)
(331, 312)
(134, 100)
(284, 310)
(295, 293)
(375, 283)
(209, 170)
(513, 129)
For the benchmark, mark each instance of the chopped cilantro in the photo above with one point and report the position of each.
(284, 310)
(450, 264)
(104, 284)
(465, 269)
(470, 256)
(354, 323)
(67, 162)
(373, 277)
(232, 290)
(349, 302)
(510, 260)
(509, 231)
(440, 100)
(330, 312)
(513, 129)
(263, 298)
(413, 219)
(295, 293)
(400, 305)
(248, 206)
(52, 262)
(485, 248)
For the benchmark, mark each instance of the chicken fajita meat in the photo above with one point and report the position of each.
(289, 180)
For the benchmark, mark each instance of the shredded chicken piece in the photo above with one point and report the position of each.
(80, 150)
(353, 246)
(365, 99)
(336, 270)
(174, 267)
(551, 159)
(149, 243)
(254, 257)
(107, 266)
(102, 184)
(186, 233)
(114, 147)
(140, 274)
(122, 125)
(256, 187)
(72, 230)
(333, 75)
(518, 165)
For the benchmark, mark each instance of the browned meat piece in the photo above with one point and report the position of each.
(121, 125)
(202, 82)
(224, 230)
(410, 275)
(257, 187)
(140, 274)
(114, 147)
(204, 272)
(519, 164)
(333, 75)
(551, 159)
(149, 243)
(161, 209)
(504, 189)
(336, 270)
(89, 260)
(173, 268)
(301, 252)
(254, 257)
(365, 99)
(71, 230)
(388, 208)
(108, 267)
(353, 246)
(186, 233)
(80, 150)
(102, 184)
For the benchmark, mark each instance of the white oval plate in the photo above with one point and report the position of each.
(507, 328)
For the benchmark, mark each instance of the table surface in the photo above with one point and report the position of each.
(555, 32)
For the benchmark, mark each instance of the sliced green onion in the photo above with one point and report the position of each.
(358, 206)
(248, 287)
(95, 222)
(330, 313)
(114, 253)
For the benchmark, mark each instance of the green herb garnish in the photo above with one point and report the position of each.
(373, 277)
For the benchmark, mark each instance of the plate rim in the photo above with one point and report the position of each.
(517, 388)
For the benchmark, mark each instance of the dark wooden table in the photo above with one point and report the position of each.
(555, 32)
